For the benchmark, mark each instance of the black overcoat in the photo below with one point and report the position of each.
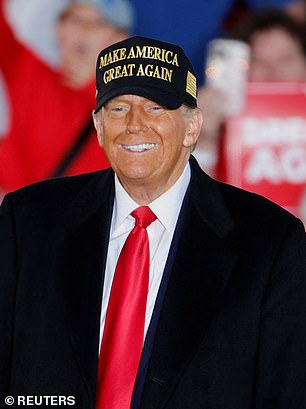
(231, 327)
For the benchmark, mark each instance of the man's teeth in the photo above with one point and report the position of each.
(139, 148)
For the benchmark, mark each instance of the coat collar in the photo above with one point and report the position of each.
(208, 201)
(96, 193)
(201, 268)
(80, 256)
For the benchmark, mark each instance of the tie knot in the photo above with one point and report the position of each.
(143, 216)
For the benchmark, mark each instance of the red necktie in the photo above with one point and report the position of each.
(124, 325)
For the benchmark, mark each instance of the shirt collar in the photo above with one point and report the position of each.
(166, 207)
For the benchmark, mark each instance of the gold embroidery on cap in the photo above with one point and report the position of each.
(112, 56)
(142, 70)
(119, 71)
(191, 84)
(124, 69)
(155, 71)
(150, 52)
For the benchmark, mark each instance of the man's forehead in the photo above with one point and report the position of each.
(131, 98)
(79, 10)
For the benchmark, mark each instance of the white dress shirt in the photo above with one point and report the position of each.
(160, 232)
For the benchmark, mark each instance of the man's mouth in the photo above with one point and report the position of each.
(142, 147)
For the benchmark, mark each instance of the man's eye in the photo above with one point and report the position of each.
(156, 108)
(118, 109)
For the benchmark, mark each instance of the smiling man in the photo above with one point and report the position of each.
(147, 144)
(150, 285)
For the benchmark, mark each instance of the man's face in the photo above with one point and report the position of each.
(82, 32)
(147, 145)
(276, 56)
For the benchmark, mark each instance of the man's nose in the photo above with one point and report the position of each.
(136, 121)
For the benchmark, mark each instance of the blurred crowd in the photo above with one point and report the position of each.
(277, 43)
(47, 66)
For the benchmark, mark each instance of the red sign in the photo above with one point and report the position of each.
(265, 147)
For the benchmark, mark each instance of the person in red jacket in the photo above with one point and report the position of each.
(50, 131)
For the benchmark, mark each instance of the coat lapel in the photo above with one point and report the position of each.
(84, 229)
(201, 268)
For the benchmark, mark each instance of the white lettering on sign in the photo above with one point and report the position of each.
(286, 165)
(273, 131)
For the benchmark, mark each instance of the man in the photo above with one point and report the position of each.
(37, 92)
(220, 320)
(278, 53)
(278, 47)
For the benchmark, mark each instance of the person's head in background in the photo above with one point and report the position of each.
(84, 28)
(278, 46)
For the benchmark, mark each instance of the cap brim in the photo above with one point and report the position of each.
(164, 99)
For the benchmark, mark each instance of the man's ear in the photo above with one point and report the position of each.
(193, 128)
(98, 122)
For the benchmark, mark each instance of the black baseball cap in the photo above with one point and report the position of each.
(153, 69)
